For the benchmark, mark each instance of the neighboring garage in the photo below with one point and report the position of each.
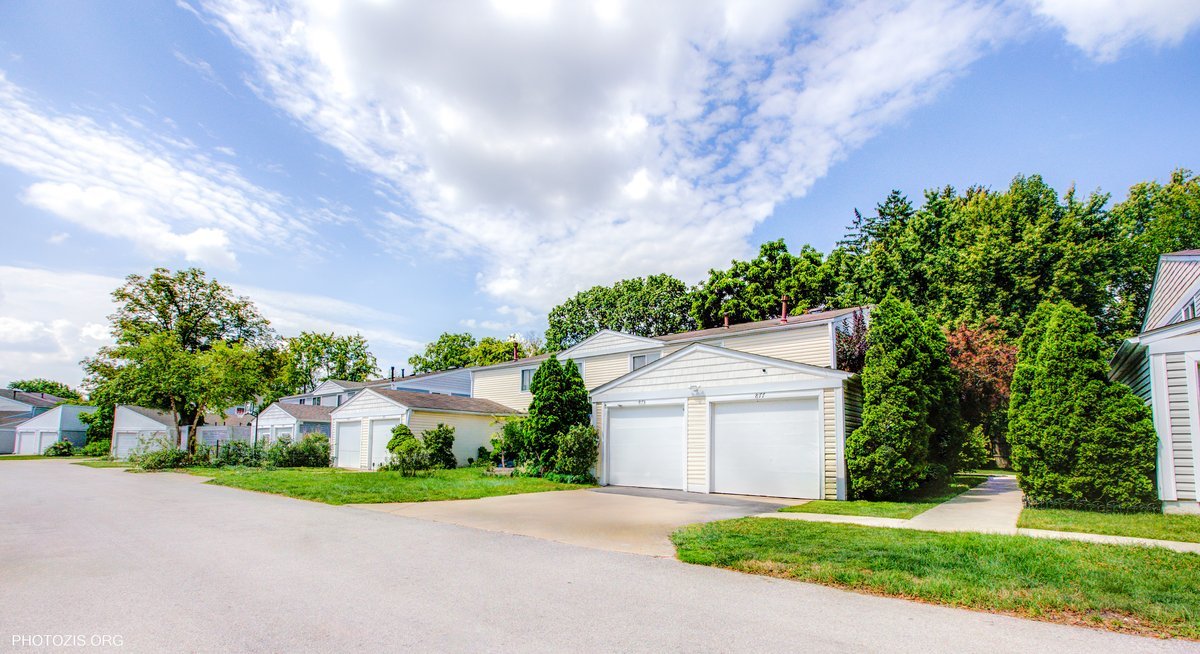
(292, 421)
(136, 427)
(62, 422)
(363, 425)
(712, 420)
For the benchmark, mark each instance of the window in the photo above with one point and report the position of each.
(316, 401)
(1189, 311)
(526, 378)
(640, 360)
(301, 400)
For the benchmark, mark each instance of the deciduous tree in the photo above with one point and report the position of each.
(48, 386)
(645, 306)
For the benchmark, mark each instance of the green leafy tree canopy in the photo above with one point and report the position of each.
(644, 306)
(47, 386)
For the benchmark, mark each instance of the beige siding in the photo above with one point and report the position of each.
(712, 369)
(854, 404)
(829, 429)
(1180, 425)
(606, 343)
(471, 431)
(697, 444)
(598, 423)
(1173, 279)
(503, 385)
(1136, 376)
(600, 370)
(811, 345)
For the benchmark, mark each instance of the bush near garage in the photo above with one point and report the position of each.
(578, 449)
(60, 448)
(1076, 435)
(98, 447)
(160, 454)
(239, 453)
(439, 446)
(312, 451)
(409, 455)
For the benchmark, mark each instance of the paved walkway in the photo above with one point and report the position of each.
(992, 507)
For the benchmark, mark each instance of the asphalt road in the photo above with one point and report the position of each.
(165, 564)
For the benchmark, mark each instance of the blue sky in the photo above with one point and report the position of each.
(406, 169)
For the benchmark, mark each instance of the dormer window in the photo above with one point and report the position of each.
(1189, 311)
(640, 360)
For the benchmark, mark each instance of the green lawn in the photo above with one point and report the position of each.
(1152, 591)
(335, 486)
(1140, 525)
(917, 502)
(103, 463)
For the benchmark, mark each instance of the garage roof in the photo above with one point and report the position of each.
(307, 412)
(437, 402)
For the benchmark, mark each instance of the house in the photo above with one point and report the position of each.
(362, 426)
(335, 392)
(292, 421)
(1162, 365)
(15, 408)
(61, 423)
(756, 408)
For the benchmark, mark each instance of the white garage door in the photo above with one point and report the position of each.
(348, 435)
(768, 448)
(646, 446)
(45, 440)
(126, 443)
(27, 442)
(381, 433)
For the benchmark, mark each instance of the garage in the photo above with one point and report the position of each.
(381, 433)
(27, 442)
(125, 444)
(646, 446)
(707, 419)
(348, 434)
(771, 448)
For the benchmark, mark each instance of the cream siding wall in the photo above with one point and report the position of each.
(711, 368)
(365, 407)
(810, 345)
(829, 431)
(503, 385)
(854, 404)
(607, 342)
(1136, 376)
(600, 370)
(1180, 425)
(471, 431)
(598, 423)
(697, 445)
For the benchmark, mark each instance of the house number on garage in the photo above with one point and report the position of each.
(759, 396)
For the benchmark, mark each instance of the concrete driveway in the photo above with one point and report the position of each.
(169, 564)
(634, 520)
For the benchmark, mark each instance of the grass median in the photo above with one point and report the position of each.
(1151, 591)
(336, 486)
(1184, 528)
(915, 503)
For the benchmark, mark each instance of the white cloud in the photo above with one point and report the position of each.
(1102, 28)
(568, 144)
(158, 193)
(51, 320)
(58, 238)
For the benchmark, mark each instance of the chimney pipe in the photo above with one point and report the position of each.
(402, 373)
(784, 299)
(516, 351)
(393, 373)
(726, 322)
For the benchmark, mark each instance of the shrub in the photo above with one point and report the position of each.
(60, 448)
(239, 453)
(311, 452)
(560, 401)
(483, 457)
(400, 433)
(578, 449)
(977, 452)
(887, 455)
(98, 447)
(439, 444)
(512, 441)
(1075, 435)
(160, 454)
(409, 457)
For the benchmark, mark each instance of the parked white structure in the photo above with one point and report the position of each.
(15, 408)
(138, 428)
(61, 423)
(363, 426)
(292, 421)
(1162, 365)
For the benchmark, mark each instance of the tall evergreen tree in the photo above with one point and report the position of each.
(1075, 435)
(560, 401)
(888, 454)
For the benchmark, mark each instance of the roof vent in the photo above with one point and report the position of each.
(784, 300)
